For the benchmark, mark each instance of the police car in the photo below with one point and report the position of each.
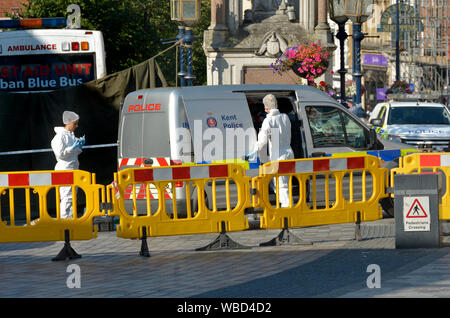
(422, 124)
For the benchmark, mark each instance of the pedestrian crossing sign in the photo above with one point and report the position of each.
(416, 214)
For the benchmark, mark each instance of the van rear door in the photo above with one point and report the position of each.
(143, 128)
(221, 127)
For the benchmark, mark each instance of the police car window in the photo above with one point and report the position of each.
(331, 126)
(418, 116)
(447, 115)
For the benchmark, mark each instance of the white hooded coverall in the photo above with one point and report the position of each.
(67, 159)
(276, 131)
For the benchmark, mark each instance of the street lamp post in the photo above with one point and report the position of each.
(181, 73)
(186, 14)
(188, 40)
(337, 14)
(397, 41)
(358, 11)
(358, 36)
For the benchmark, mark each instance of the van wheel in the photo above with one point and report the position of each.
(194, 201)
(388, 206)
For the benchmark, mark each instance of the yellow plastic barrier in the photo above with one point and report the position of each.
(339, 188)
(192, 221)
(38, 188)
(426, 163)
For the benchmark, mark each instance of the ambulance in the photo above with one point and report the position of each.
(212, 124)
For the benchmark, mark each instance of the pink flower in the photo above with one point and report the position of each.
(309, 59)
(291, 54)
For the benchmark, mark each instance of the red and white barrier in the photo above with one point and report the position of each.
(435, 160)
(318, 165)
(181, 173)
(140, 188)
(36, 179)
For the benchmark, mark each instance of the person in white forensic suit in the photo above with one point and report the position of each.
(66, 148)
(276, 132)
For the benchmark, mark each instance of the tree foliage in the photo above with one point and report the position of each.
(132, 30)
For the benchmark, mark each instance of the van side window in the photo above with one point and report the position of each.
(331, 127)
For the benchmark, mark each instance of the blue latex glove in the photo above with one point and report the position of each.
(252, 153)
(77, 143)
(83, 141)
(251, 156)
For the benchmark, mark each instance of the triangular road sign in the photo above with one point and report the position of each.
(416, 210)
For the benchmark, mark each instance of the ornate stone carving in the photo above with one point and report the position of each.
(273, 45)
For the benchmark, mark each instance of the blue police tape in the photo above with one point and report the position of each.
(384, 155)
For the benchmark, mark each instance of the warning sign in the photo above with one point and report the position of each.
(416, 214)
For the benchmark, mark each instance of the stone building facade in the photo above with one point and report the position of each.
(245, 37)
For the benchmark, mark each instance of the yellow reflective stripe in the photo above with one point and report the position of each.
(349, 154)
(405, 152)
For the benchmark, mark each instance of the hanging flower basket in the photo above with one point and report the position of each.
(307, 60)
(399, 87)
(297, 68)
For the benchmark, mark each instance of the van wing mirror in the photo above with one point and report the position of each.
(372, 138)
(376, 122)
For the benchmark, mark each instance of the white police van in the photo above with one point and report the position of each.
(174, 126)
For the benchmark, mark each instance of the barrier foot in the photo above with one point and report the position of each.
(144, 247)
(285, 238)
(358, 236)
(67, 252)
(223, 241)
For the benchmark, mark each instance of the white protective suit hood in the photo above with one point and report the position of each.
(67, 159)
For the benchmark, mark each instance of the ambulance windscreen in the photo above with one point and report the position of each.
(45, 72)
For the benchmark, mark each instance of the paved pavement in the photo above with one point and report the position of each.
(335, 265)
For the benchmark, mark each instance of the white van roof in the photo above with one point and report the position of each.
(198, 92)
